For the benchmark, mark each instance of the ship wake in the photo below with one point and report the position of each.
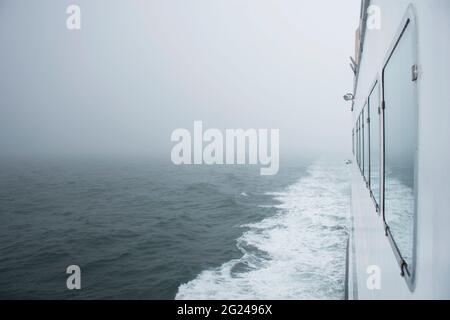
(299, 253)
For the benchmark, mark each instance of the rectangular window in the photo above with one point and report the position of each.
(359, 142)
(353, 141)
(363, 159)
(366, 144)
(401, 136)
(375, 155)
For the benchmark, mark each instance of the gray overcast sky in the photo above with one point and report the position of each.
(140, 69)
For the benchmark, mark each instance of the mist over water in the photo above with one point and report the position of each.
(83, 112)
(138, 70)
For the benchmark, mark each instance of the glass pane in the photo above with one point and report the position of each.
(363, 162)
(353, 141)
(360, 145)
(357, 143)
(401, 146)
(366, 143)
(374, 104)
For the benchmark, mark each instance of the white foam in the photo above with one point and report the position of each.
(297, 254)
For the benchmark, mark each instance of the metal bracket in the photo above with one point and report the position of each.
(415, 72)
(402, 267)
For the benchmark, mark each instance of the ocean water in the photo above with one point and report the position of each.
(142, 229)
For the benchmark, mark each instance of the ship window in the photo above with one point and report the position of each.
(366, 144)
(374, 124)
(357, 141)
(363, 161)
(401, 136)
(359, 144)
(353, 141)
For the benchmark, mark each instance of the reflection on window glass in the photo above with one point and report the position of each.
(353, 141)
(357, 141)
(363, 162)
(366, 143)
(401, 146)
(361, 159)
(374, 103)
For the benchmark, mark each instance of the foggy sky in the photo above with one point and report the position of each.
(137, 70)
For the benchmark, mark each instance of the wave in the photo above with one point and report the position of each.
(299, 253)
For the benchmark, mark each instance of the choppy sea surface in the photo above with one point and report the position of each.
(142, 229)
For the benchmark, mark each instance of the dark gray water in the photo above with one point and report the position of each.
(138, 229)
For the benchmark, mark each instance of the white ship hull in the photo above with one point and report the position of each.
(383, 265)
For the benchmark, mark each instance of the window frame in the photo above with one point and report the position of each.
(359, 141)
(363, 160)
(353, 142)
(358, 146)
(408, 272)
(366, 116)
(378, 92)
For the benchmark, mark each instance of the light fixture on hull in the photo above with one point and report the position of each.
(349, 97)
